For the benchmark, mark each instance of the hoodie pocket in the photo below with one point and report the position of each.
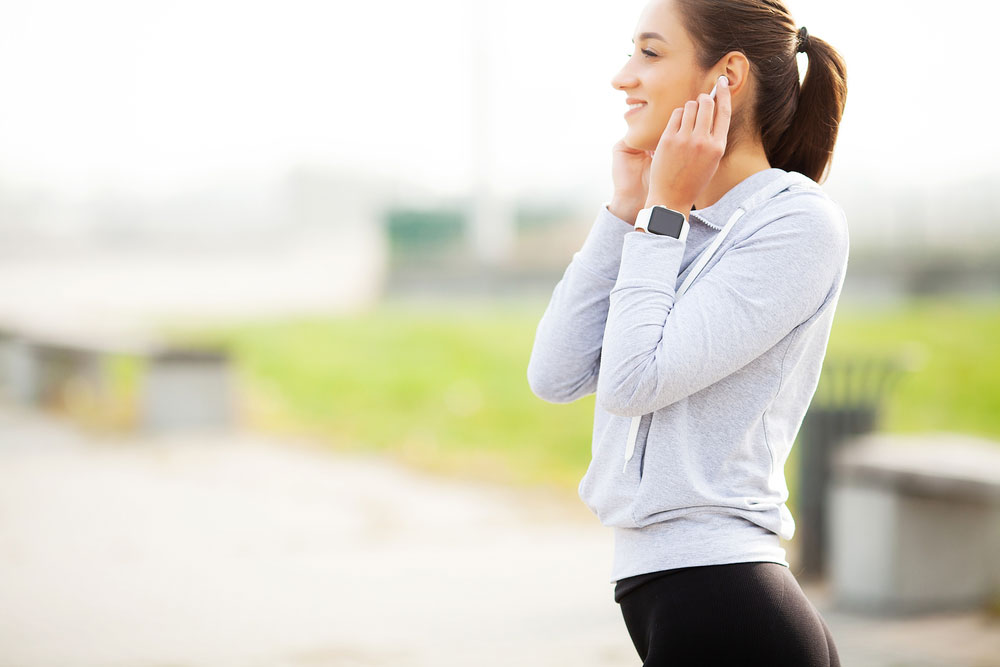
(669, 475)
(607, 489)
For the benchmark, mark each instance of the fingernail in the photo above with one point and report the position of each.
(724, 80)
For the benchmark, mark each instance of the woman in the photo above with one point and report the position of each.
(704, 365)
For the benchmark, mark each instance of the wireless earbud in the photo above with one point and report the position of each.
(712, 94)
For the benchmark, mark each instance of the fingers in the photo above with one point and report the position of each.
(705, 116)
(724, 112)
(674, 124)
(706, 108)
(695, 117)
(690, 113)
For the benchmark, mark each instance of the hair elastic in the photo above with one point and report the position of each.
(803, 44)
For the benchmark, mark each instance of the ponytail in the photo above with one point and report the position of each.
(798, 123)
(806, 145)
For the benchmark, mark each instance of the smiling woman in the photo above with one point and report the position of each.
(703, 335)
(794, 125)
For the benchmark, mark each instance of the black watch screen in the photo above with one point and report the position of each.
(665, 222)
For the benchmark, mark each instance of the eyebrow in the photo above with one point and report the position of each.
(650, 35)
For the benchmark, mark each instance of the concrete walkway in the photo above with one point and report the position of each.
(243, 550)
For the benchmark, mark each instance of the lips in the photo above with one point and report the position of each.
(633, 109)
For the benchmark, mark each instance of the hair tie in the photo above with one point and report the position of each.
(803, 44)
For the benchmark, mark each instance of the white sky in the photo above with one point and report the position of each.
(155, 96)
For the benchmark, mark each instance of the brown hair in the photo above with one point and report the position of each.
(798, 123)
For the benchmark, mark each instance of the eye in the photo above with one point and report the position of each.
(646, 52)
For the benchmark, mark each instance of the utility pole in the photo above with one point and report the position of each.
(491, 232)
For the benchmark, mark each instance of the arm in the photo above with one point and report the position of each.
(566, 354)
(657, 351)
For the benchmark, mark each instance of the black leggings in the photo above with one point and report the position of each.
(733, 614)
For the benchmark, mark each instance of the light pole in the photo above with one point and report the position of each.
(491, 230)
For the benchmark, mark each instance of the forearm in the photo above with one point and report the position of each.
(566, 354)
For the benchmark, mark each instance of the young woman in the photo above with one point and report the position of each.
(698, 310)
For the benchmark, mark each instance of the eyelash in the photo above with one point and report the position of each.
(648, 54)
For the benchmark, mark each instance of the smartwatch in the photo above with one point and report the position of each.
(663, 221)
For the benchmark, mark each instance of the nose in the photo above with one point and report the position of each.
(622, 79)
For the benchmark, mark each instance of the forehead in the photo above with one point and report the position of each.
(659, 17)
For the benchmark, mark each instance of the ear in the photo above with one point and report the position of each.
(736, 67)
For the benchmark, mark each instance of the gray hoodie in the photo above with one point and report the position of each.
(720, 378)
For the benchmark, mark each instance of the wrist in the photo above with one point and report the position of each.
(670, 203)
(625, 209)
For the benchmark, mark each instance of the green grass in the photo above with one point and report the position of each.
(446, 388)
(955, 345)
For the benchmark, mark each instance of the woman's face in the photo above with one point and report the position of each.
(661, 73)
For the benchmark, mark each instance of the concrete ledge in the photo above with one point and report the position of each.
(915, 522)
(183, 386)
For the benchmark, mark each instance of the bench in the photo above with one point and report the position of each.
(914, 523)
(183, 386)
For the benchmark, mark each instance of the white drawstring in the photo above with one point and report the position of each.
(633, 430)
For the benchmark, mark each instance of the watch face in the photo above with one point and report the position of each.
(665, 222)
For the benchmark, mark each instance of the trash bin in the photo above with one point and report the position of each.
(848, 402)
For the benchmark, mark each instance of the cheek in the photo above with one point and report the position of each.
(673, 94)
(661, 110)
(666, 103)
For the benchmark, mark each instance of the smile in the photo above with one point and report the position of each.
(634, 107)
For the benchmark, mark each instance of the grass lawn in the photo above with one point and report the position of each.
(444, 388)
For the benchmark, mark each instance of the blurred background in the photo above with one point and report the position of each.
(338, 224)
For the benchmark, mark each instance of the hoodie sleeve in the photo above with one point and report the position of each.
(566, 354)
(658, 350)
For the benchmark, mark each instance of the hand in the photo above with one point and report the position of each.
(630, 174)
(690, 149)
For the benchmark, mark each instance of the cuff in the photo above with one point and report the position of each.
(602, 249)
(651, 261)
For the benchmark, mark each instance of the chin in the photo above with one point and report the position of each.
(641, 140)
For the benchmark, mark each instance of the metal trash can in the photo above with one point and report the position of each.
(848, 402)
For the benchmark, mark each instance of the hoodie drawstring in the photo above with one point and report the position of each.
(633, 430)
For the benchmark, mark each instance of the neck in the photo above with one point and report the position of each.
(733, 169)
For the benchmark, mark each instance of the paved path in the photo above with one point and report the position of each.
(244, 550)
